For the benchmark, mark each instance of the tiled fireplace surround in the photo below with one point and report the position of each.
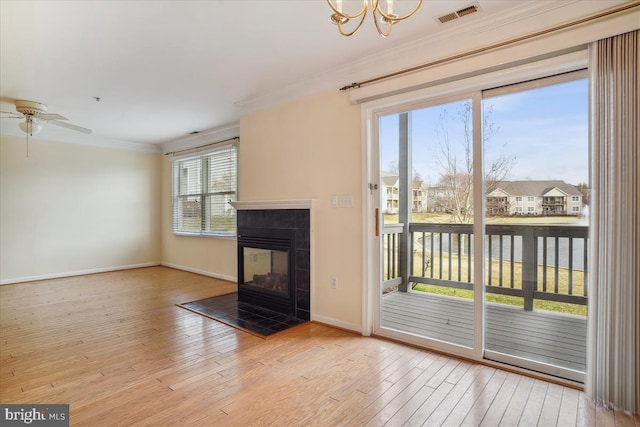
(292, 218)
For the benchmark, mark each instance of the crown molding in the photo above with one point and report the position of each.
(92, 140)
(457, 36)
(209, 136)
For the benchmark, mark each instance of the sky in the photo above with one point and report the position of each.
(544, 131)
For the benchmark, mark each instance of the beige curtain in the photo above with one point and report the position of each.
(613, 367)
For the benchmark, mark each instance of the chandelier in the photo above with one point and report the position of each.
(383, 20)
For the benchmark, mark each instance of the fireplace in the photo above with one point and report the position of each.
(265, 269)
(274, 259)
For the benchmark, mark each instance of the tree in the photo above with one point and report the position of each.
(455, 184)
(585, 191)
(393, 167)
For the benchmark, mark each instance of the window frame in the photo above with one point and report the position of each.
(205, 194)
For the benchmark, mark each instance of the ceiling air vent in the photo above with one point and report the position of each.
(458, 13)
(448, 17)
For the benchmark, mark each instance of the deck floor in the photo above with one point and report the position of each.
(544, 336)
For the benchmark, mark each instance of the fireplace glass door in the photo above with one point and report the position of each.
(266, 270)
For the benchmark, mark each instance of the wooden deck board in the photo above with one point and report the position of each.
(544, 336)
(440, 318)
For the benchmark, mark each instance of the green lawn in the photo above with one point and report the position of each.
(561, 307)
(563, 283)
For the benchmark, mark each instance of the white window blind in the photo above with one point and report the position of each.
(203, 187)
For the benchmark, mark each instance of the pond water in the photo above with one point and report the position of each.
(563, 249)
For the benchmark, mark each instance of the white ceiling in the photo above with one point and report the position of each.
(163, 69)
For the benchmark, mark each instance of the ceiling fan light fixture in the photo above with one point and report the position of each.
(35, 113)
(30, 126)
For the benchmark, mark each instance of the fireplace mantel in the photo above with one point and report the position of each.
(274, 204)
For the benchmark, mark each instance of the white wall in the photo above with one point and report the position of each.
(69, 209)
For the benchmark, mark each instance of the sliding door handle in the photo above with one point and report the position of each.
(377, 223)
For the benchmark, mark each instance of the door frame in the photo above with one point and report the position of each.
(437, 92)
(373, 223)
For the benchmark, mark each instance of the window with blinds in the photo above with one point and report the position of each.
(203, 187)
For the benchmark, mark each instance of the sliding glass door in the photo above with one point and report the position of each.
(483, 204)
(427, 214)
(537, 201)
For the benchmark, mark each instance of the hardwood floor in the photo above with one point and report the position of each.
(116, 348)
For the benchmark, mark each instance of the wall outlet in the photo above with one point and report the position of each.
(334, 282)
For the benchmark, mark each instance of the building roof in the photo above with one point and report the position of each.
(391, 180)
(536, 188)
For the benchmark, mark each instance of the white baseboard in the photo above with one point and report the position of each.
(202, 272)
(76, 273)
(337, 323)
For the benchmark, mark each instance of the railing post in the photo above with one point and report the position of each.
(529, 265)
(404, 199)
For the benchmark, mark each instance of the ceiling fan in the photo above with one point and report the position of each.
(34, 113)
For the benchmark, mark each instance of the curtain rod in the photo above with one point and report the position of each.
(496, 45)
(173, 153)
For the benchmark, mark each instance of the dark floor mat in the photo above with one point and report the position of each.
(247, 317)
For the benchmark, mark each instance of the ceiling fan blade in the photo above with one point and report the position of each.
(70, 126)
(50, 116)
(11, 115)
